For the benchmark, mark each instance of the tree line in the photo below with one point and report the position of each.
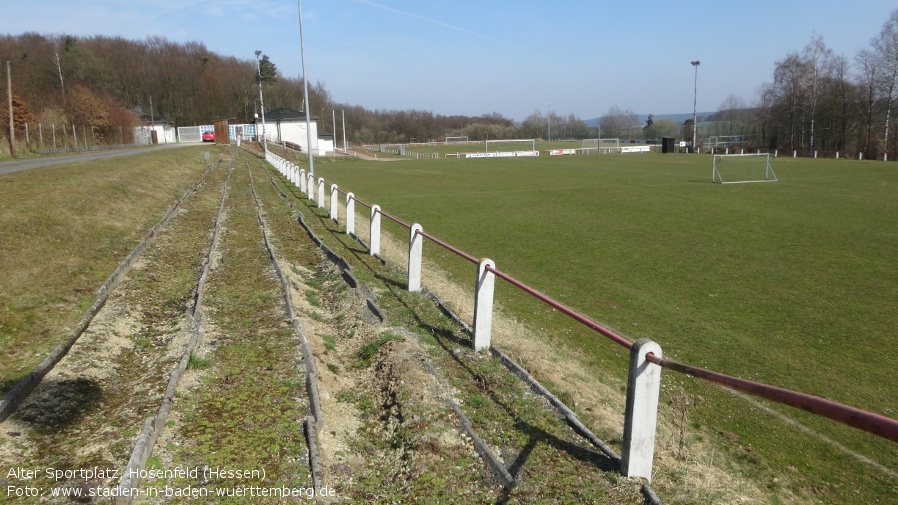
(96, 82)
(817, 101)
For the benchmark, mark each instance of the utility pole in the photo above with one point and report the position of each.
(261, 103)
(695, 64)
(152, 121)
(305, 82)
(12, 129)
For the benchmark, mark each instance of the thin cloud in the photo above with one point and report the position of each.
(434, 21)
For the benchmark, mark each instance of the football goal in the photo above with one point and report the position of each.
(457, 140)
(601, 146)
(511, 147)
(738, 168)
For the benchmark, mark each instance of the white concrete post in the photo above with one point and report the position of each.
(375, 230)
(302, 180)
(415, 250)
(837, 154)
(321, 192)
(483, 304)
(310, 186)
(334, 212)
(294, 175)
(641, 414)
(350, 213)
(860, 156)
(794, 154)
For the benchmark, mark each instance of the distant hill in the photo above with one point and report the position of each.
(679, 118)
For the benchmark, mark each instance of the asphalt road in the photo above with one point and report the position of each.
(8, 167)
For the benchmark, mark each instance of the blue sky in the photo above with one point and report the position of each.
(476, 57)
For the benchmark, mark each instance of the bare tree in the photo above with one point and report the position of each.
(885, 47)
(814, 54)
(867, 78)
(789, 84)
(617, 123)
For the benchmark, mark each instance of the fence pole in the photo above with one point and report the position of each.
(375, 231)
(302, 180)
(350, 214)
(310, 186)
(334, 212)
(321, 192)
(483, 304)
(641, 414)
(415, 250)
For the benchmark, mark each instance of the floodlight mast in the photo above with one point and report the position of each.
(305, 81)
(261, 101)
(695, 64)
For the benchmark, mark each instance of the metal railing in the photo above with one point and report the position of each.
(646, 359)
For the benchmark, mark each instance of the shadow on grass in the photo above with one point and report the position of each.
(515, 460)
(55, 405)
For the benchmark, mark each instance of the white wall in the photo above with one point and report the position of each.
(293, 131)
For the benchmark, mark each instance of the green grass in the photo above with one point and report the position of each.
(370, 349)
(791, 283)
(63, 230)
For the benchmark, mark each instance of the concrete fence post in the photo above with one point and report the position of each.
(310, 186)
(320, 200)
(375, 231)
(294, 174)
(350, 214)
(302, 180)
(860, 156)
(415, 251)
(641, 414)
(483, 304)
(334, 212)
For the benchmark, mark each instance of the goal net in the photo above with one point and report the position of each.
(737, 168)
(457, 140)
(601, 146)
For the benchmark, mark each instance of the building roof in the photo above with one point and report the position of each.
(146, 119)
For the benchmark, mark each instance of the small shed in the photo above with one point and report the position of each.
(668, 145)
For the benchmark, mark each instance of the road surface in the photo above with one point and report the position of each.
(8, 167)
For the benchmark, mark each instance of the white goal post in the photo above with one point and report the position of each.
(740, 168)
(516, 142)
(457, 140)
(602, 146)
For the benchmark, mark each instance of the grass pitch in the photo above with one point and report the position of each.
(792, 283)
